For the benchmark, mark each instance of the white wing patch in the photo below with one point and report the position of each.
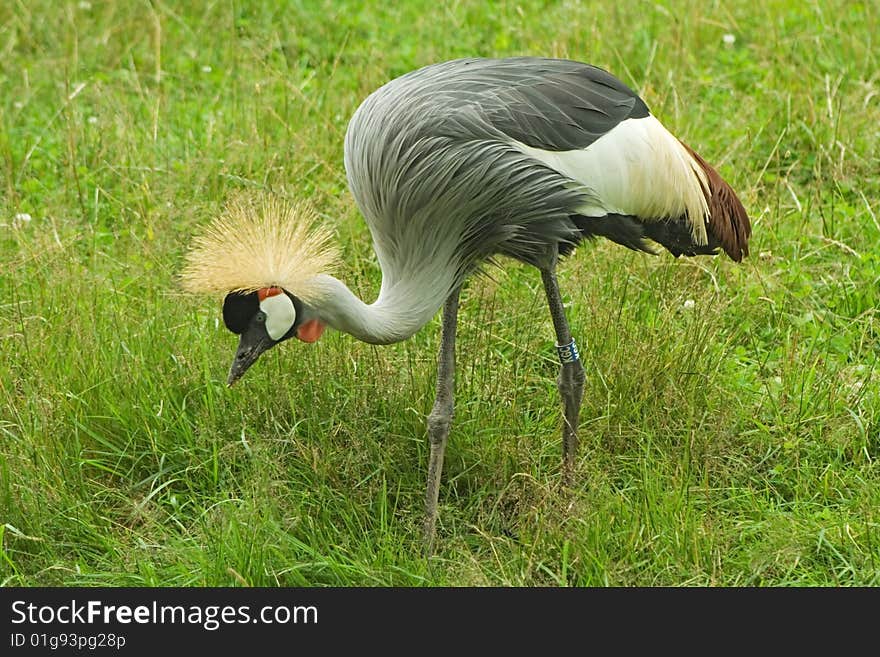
(280, 315)
(637, 168)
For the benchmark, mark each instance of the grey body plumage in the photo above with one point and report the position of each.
(429, 159)
(432, 159)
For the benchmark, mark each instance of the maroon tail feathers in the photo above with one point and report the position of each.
(728, 220)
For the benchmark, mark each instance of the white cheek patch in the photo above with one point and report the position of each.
(280, 315)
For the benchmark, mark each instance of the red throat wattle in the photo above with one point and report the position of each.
(310, 331)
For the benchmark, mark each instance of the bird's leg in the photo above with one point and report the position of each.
(440, 417)
(571, 375)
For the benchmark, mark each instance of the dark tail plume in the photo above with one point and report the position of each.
(728, 219)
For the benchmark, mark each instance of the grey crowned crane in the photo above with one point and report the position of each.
(452, 165)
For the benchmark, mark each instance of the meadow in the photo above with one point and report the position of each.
(730, 430)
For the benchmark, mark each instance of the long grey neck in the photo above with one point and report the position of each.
(403, 307)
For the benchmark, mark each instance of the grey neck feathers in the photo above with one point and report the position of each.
(402, 308)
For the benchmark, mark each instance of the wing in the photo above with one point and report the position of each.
(551, 104)
(587, 125)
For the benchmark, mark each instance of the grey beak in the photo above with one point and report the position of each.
(252, 343)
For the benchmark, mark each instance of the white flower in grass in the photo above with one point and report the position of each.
(728, 39)
(92, 120)
(688, 304)
(206, 69)
(21, 219)
(18, 104)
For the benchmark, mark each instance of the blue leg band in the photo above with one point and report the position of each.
(568, 353)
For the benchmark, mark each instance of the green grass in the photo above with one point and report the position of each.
(732, 443)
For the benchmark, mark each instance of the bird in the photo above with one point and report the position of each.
(455, 166)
